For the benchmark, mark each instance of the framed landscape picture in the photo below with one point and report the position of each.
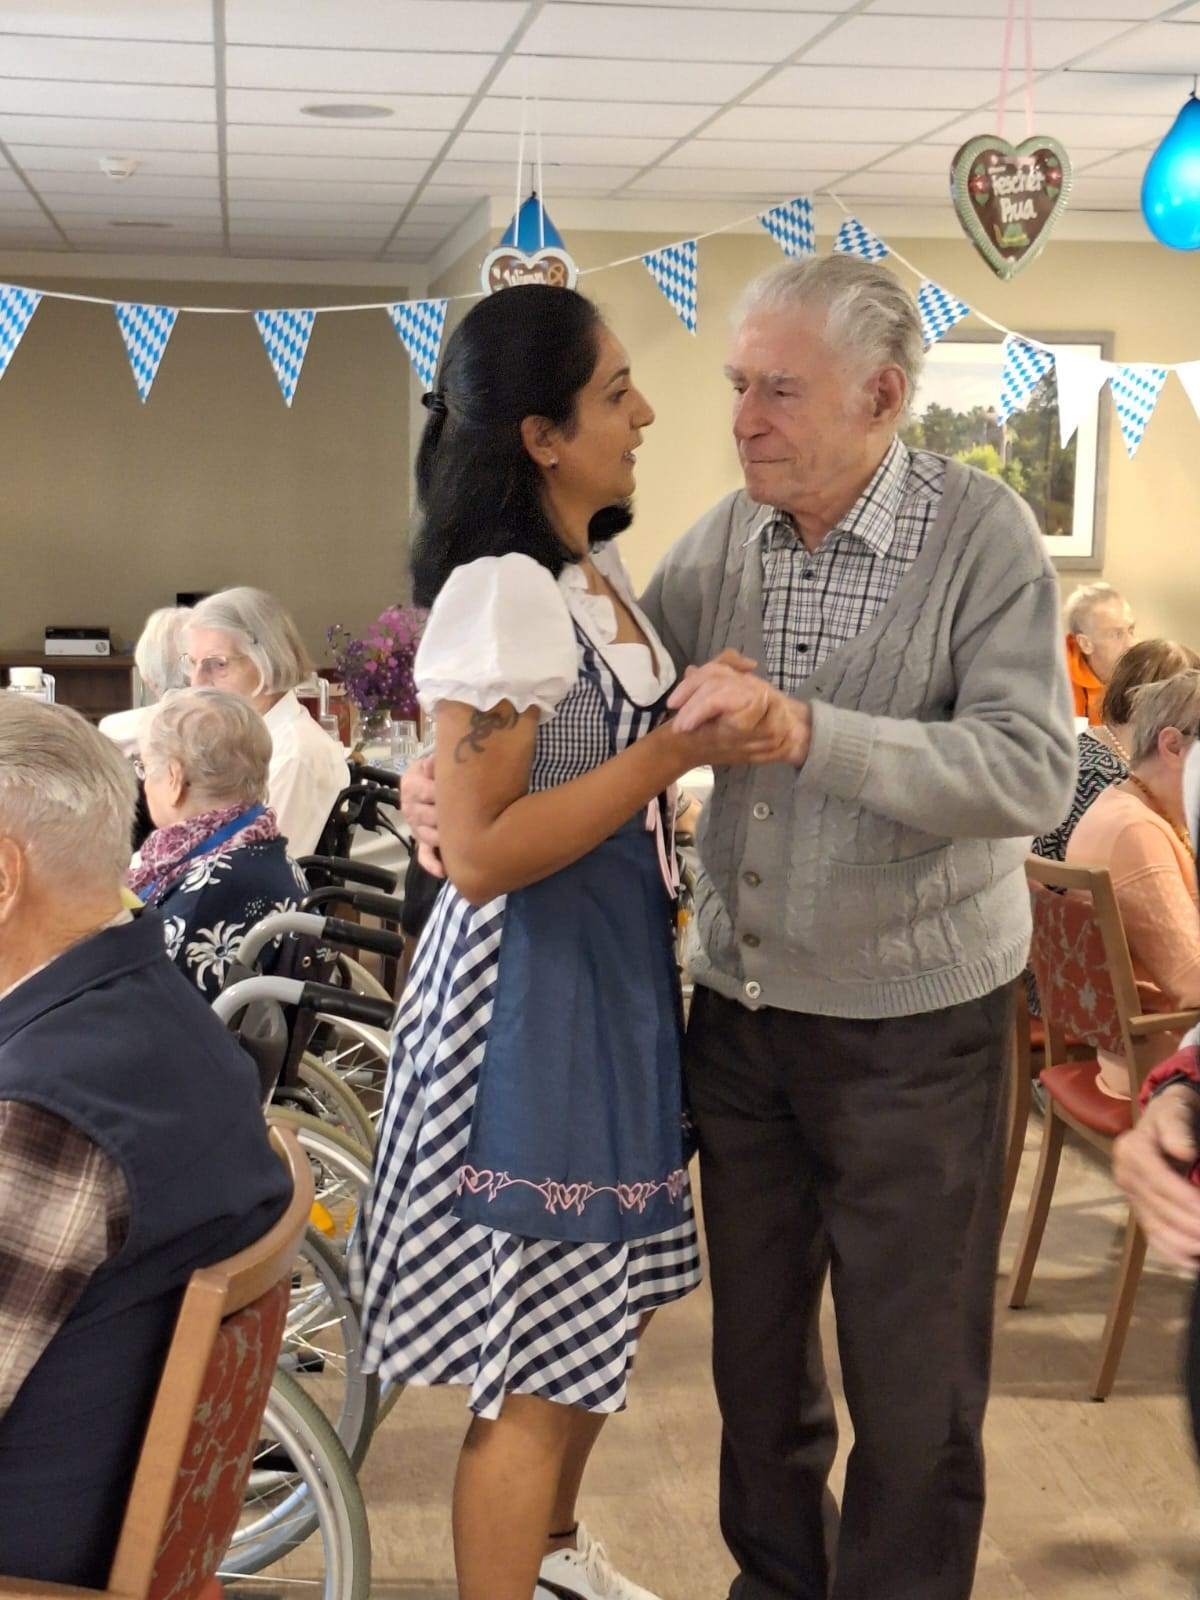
(954, 413)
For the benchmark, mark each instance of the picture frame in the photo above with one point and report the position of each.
(1065, 489)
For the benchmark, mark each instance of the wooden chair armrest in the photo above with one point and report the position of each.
(1164, 1022)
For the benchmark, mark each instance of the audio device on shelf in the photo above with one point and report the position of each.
(78, 642)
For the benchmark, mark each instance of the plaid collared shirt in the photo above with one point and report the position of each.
(813, 603)
(64, 1211)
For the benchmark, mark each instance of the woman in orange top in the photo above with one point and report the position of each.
(1137, 830)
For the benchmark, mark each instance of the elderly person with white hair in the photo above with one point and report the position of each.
(890, 618)
(243, 641)
(1100, 628)
(156, 657)
(132, 1148)
(216, 863)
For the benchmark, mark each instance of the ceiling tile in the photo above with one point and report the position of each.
(921, 158)
(887, 186)
(1168, 47)
(172, 239)
(124, 19)
(775, 155)
(333, 72)
(159, 164)
(894, 42)
(123, 204)
(327, 167)
(496, 177)
(735, 5)
(147, 184)
(165, 102)
(1129, 164)
(374, 212)
(487, 24)
(665, 33)
(823, 122)
(1119, 93)
(287, 190)
(754, 184)
(700, 83)
(927, 88)
(562, 148)
(1100, 130)
(633, 120)
(1106, 194)
(308, 228)
(372, 144)
(105, 60)
(286, 106)
(106, 135)
(16, 200)
(1042, 10)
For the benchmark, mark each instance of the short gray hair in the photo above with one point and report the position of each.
(1083, 602)
(1172, 703)
(156, 654)
(269, 636)
(218, 741)
(868, 311)
(67, 794)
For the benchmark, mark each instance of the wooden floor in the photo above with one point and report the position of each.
(1085, 1500)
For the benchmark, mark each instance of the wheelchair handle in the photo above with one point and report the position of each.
(381, 775)
(333, 1002)
(354, 936)
(351, 871)
(288, 991)
(375, 905)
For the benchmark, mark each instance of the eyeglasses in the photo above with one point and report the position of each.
(214, 667)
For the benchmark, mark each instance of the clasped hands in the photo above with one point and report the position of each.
(737, 717)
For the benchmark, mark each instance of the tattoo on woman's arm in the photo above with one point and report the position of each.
(483, 725)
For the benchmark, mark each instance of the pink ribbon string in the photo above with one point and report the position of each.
(1028, 69)
(1005, 58)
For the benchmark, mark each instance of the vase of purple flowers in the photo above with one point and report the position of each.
(377, 670)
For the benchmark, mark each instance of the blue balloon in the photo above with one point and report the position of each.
(1171, 187)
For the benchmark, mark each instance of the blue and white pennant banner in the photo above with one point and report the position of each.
(145, 330)
(674, 271)
(16, 310)
(1025, 365)
(285, 336)
(1135, 391)
(940, 311)
(853, 239)
(791, 226)
(420, 324)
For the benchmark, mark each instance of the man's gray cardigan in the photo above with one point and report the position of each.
(884, 877)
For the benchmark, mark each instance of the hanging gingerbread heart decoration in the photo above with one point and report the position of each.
(1008, 197)
(531, 250)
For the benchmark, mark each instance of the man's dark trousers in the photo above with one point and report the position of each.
(871, 1150)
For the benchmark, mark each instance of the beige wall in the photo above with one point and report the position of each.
(110, 507)
(1145, 295)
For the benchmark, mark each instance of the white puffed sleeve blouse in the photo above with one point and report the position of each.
(502, 629)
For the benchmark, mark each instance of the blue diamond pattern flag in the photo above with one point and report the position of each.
(1025, 365)
(791, 226)
(419, 324)
(285, 334)
(145, 330)
(855, 240)
(673, 269)
(940, 310)
(16, 308)
(1135, 390)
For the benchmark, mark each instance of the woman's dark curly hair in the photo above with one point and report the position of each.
(522, 352)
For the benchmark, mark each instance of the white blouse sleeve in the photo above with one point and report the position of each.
(499, 630)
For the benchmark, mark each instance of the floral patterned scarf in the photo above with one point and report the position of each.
(168, 853)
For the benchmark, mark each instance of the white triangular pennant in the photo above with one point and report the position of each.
(285, 336)
(145, 330)
(673, 269)
(16, 311)
(1024, 367)
(1135, 391)
(1079, 380)
(1188, 373)
(854, 239)
(419, 324)
(940, 311)
(791, 226)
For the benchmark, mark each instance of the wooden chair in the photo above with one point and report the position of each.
(1026, 1061)
(186, 1495)
(1080, 959)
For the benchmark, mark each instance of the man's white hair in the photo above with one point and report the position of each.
(217, 740)
(1172, 703)
(157, 652)
(67, 794)
(265, 632)
(1083, 602)
(868, 311)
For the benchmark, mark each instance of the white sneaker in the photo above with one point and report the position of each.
(585, 1573)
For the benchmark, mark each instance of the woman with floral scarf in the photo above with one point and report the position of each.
(216, 863)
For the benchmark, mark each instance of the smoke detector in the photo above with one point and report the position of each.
(118, 168)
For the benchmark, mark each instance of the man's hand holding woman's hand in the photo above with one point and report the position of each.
(738, 717)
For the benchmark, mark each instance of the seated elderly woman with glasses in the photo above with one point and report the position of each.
(216, 863)
(1137, 829)
(244, 642)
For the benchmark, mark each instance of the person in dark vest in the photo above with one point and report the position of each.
(132, 1147)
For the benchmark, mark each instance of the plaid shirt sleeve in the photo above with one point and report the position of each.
(64, 1211)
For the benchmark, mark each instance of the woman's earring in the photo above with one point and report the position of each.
(553, 462)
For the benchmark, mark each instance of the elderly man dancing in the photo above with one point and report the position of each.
(862, 917)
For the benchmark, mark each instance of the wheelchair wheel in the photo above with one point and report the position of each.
(359, 981)
(341, 1172)
(322, 1344)
(302, 1482)
(360, 1056)
(338, 1102)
